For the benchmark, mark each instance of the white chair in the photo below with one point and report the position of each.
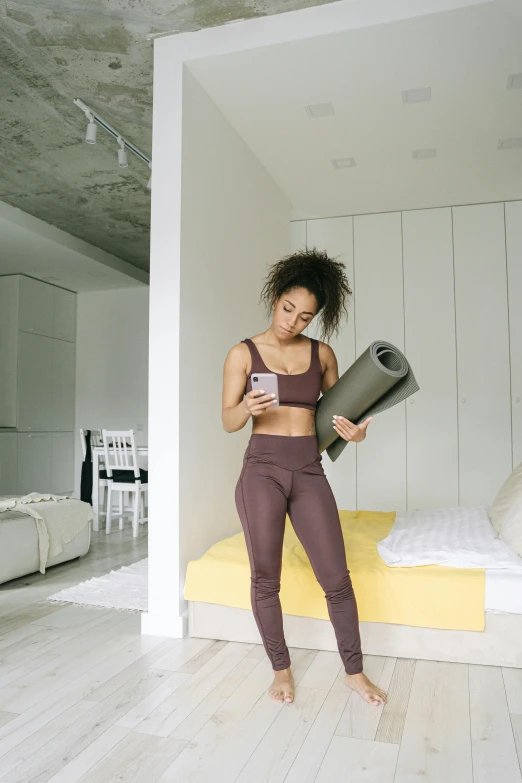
(96, 441)
(124, 475)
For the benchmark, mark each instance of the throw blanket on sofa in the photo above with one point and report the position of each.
(58, 520)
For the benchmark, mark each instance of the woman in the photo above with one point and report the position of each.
(282, 471)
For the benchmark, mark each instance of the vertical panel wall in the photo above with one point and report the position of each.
(379, 315)
(437, 284)
(514, 267)
(485, 456)
(335, 235)
(429, 314)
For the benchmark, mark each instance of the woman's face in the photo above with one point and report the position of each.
(293, 312)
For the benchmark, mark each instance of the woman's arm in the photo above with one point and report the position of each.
(343, 427)
(234, 414)
(329, 364)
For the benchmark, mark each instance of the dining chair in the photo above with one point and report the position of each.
(96, 442)
(123, 475)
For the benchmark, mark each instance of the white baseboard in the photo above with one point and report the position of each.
(173, 626)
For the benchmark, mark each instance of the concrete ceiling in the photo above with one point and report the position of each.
(98, 50)
(465, 56)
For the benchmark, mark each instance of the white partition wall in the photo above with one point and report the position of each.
(235, 223)
(514, 267)
(485, 456)
(434, 283)
(429, 318)
(336, 236)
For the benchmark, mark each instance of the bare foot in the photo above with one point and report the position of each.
(366, 689)
(282, 689)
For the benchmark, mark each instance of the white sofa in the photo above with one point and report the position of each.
(19, 554)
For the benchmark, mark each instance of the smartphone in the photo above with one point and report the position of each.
(268, 382)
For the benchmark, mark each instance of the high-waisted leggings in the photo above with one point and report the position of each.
(284, 474)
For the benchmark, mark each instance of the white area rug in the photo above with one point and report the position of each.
(125, 588)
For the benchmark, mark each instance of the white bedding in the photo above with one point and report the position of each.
(503, 591)
(461, 537)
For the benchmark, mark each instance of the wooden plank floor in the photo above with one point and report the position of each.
(84, 698)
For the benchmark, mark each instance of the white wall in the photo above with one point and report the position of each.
(234, 224)
(436, 283)
(112, 363)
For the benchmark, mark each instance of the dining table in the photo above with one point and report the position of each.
(97, 457)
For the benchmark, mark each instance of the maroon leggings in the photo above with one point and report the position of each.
(283, 474)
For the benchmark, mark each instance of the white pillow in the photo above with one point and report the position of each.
(461, 537)
(508, 503)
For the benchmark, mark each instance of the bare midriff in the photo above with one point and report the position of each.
(284, 420)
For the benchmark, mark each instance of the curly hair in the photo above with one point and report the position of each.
(322, 276)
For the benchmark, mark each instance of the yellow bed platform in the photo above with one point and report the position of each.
(425, 596)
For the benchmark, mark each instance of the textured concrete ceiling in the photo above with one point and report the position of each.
(97, 50)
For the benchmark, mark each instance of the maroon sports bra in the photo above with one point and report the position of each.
(300, 390)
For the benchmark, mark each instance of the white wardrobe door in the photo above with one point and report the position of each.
(335, 235)
(379, 315)
(64, 369)
(514, 261)
(62, 462)
(297, 235)
(34, 462)
(35, 382)
(8, 463)
(429, 312)
(485, 456)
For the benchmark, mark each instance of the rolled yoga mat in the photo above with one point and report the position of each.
(379, 379)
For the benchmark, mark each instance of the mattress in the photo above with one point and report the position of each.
(503, 591)
(423, 596)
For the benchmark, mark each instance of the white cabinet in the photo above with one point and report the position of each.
(379, 315)
(484, 404)
(62, 462)
(514, 261)
(34, 462)
(429, 320)
(35, 306)
(335, 235)
(8, 463)
(37, 385)
(298, 240)
(63, 384)
(64, 315)
(35, 382)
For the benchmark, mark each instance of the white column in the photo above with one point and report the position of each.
(164, 617)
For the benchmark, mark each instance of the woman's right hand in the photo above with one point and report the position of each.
(256, 401)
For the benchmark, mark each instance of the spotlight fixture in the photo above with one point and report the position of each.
(424, 154)
(417, 95)
(122, 154)
(90, 136)
(343, 163)
(124, 144)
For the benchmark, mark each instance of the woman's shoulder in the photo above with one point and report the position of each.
(326, 354)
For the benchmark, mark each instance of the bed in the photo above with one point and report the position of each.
(474, 615)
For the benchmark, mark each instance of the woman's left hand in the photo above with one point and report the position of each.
(349, 431)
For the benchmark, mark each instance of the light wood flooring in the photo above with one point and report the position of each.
(84, 698)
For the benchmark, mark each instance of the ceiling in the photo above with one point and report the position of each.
(32, 247)
(465, 56)
(100, 51)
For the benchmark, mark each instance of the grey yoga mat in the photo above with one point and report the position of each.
(379, 379)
